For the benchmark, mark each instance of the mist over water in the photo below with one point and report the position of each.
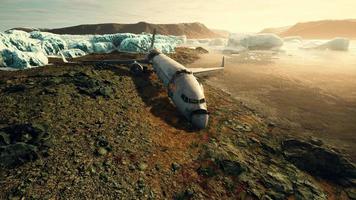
(306, 92)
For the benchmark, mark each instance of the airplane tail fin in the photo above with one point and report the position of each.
(151, 45)
(153, 39)
(223, 62)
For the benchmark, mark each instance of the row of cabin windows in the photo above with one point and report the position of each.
(192, 101)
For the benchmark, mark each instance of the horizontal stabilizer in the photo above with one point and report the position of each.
(196, 71)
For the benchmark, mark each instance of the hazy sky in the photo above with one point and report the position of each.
(233, 15)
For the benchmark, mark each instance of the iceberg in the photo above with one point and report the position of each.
(192, 42)
(295, 39)
(218, 42)
(20, 50)
(204, 41)
(336, 44)
(264, 41)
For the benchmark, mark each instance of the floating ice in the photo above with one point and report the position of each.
(192, 42)
(204, 41)
(337, 44)
(19, 49)
(296, 39)
(265, 41)
(218, 42)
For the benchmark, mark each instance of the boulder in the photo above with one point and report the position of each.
(230, 167)
(22, 143)
(319, 160)
(16, 154)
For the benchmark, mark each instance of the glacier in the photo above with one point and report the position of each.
(21, 50)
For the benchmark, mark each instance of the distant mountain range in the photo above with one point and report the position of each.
(325, 29)
(191, 30)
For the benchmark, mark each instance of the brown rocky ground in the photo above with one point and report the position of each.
(98, 132)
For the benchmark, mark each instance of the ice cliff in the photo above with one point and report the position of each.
(21, 50)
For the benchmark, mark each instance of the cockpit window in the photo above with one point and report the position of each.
(192, 101)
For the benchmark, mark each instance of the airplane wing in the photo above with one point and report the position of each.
(114, 62)
(202, 71)
(205, 70)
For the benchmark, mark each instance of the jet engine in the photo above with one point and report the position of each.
(136, 68)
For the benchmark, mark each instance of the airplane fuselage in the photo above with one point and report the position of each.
(183, 89)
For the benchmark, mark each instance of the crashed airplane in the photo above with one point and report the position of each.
(183, 88)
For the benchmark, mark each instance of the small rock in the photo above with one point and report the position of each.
(351, 193)
(106, 91)
(175, 166)
(15, 88)
(271, 124)
(231, 167)
(101, 151)
(104, 177)
(141, 183)
(4, 138)
(316, 141)
(206, 171)
(142, 166)
(16, 154)
(201, 50)
(158, 167)
(101, 140)
(132, 167)
(255, 140)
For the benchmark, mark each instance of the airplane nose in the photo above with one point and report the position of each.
(200, 120)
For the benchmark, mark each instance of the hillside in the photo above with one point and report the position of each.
(98, 132)
(325, 29)
(191, 30)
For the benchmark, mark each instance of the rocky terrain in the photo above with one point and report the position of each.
(325, 29)
(98, 132)
(191, 30)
